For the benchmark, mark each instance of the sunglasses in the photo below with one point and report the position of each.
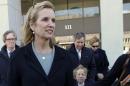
(9, 39)
(95, 46)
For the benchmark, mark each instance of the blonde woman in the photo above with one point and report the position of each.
(40, 62)
(100, 56)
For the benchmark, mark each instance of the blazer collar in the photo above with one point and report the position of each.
(34, 63)
(73, 50)
(59, 57)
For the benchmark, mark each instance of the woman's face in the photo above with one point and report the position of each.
(95, 46)
(45, 24)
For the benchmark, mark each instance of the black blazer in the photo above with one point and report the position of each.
(85, 84)
(87, 60)
(4, 65)
(26, 70)
(101, 61)
(4, 51)
(115, 72)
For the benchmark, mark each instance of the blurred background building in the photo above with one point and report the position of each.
(108, 19)
(81, 15)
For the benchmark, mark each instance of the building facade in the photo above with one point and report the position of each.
(108, 19)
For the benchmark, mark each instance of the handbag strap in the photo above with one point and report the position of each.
(124, 67)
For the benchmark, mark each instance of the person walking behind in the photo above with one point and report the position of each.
(81, 55)
(100, 58)
(9, 47)
(119, 75)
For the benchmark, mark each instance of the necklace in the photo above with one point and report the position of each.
(43, 56)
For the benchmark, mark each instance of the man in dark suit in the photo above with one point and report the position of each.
(82, 55)
(9, 38)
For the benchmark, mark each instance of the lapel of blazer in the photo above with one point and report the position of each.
(5, 55)
(85, 55)
(74, 52)
(57, 62)
(33, 61)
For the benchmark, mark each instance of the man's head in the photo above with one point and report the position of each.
(9, 38)
(79, 40)
(80, 74)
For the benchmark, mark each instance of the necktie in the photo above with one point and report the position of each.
(10, 54)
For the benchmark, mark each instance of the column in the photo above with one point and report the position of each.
(4, 23)
(10, 17)
(112, 28)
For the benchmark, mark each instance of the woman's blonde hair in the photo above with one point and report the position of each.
(32, 16)
(78, 68)
(93, 40)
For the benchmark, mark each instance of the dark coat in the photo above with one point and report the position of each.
(26, 70)
(4, 50)
(4, 65)
(86, 83)
(87, 60)
(101, 61)
(115, 72)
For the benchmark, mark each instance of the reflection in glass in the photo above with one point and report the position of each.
(76, 9)
(77, 13)
(91, 11)
(126, 8)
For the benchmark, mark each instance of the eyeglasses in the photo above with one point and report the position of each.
(9, 39)
(95, 46)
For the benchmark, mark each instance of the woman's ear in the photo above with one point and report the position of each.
(32, 26)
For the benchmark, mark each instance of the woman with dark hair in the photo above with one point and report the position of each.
(120, 71)
(40, 62)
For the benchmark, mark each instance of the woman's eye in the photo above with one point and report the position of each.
(45, 19)
(53, 20)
